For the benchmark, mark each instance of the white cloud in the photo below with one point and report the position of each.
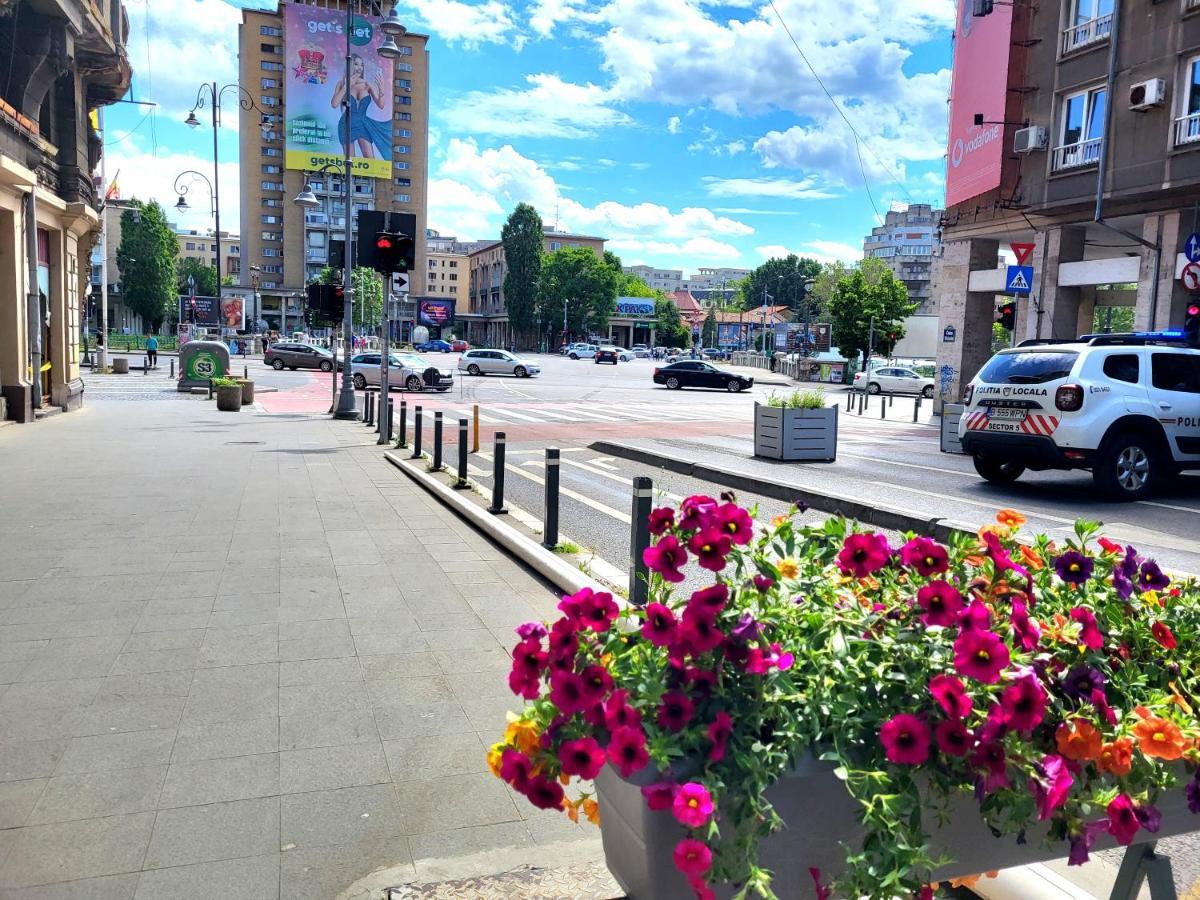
(821, 251)
(804, 189)
(468, 24)
(147, 177)
(696, 248)
(733, 148)
(551, 107)
(547, 14)
(673, 125)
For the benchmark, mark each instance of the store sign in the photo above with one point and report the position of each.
(230, 312)
(634, 306)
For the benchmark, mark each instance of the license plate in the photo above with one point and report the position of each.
(999, 412)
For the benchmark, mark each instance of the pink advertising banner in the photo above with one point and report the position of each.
(979, 84)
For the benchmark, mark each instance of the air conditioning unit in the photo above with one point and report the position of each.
(1147, 94)
(1026, 140)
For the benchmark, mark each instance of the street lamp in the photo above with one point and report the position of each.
(211, 94)
(255, 271)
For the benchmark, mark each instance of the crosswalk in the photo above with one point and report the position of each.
(577, 413)
(134, 386)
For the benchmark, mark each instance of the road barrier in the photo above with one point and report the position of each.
(385, 423)
(639, 540)
(437, 441)
(497, 507)
(172, 367)
(417, 429)
(550, 518)
(368, 409)
(475, 435)
(462, 454)
(917, 408)
(402, 439)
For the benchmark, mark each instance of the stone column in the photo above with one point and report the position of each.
(1055, 309)
(1172, 298)
(971, 314)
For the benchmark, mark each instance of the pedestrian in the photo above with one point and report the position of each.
(152, 351)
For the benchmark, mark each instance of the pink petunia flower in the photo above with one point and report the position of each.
(951, 696)
(941, 602)
(980, 655)
(925, 555)
(569, 692)
(1051, 786)
(710, 600)
(545, 793)
(598, 612)
(692, 857)
(975, 617)
(619, 714)
(659, 796)
(1123, 822)
(719, 732)
(582, 757)
(763, 583)
(666, 558)
(1090, 635)
(1025, 630)
(711, 547)
(864, 554)
(627, 751)
(1024, 704)
(698, 633)
(696, 511)
(734, 522)
(990, 757)
(905, 740)
(676, 711)
(661, 520)
(597, 683)
(953, 738)
(660, 625)
(516, 769)
(692, 805)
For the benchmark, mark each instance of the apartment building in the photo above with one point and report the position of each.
(666, 280)
(907, 242)
(286, 244)
(64, 59)
(448, 277)
(202, 245)
(1082, 137)
(715, 286)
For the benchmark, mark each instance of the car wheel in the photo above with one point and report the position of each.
(472, 369)
(360, 382)
(520, 372)
(326, 366)
(1126, 466)
(873, 387)
(574, 356)
(996, 472)
(673, 383)
(733, 386)
(413, 384)
(277, 365)
(927, 392)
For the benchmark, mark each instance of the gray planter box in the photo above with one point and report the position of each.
(821, 817)
(951, 413)
(795, 434)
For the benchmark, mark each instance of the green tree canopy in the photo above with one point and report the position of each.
(781, 279)
(367, 289)
(708, 332)
(669, 330)
(869, 292)
(587, 284)
(522, 237)
(204, 276)
(147, 258)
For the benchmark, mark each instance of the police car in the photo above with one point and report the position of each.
(1125, 406)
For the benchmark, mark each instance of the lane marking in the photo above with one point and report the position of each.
(619, 478)
(991, 506)
(891, 462)
(1189, 509)
(574, 495)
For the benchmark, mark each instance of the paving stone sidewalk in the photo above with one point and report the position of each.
(242, 658)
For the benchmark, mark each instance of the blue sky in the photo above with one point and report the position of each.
(687, 133)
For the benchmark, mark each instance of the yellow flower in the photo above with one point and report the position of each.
(788, 568)
(1010, 518)
(780, 521)
(591, 809)
(493, 758)
(523, 735)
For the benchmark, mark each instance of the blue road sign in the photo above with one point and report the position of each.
(1191, 247)
(1019, 279)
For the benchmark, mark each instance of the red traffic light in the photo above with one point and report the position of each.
(1194, 309)
(384, 243)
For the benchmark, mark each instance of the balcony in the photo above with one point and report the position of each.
(317, 254)
(316, 219)
(1093, 31)
(1190, 6)
(1076, 156)
(1187, 128)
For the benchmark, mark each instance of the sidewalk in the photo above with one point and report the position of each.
(241, 658)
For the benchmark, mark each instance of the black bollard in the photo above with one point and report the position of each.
(639, 540)
(172, 367)
(385, 433)
(916, 408)
(437, 441)
(462, 453)
(497, 506)
(550, 519)
(402, 439)
(417, 429)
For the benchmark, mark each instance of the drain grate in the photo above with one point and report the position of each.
(584, 882)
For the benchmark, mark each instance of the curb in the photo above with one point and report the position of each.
(559, 573)
(880, 516)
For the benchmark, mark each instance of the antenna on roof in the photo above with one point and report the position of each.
(556, 215)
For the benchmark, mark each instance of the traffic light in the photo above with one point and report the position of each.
(1191, 324)
(326, 300)
(393, 252)
(981, 8)
(1006, 315)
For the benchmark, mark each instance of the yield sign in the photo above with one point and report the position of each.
(1022, 252)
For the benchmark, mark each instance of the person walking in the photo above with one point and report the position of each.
(152, 351)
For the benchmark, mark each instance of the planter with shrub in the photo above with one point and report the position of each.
(796, 426)
(229, 394)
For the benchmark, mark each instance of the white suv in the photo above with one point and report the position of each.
(1125, 406)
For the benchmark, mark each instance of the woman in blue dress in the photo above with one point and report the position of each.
(372, 136)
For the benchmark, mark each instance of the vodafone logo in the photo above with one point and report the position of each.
(956, 155)
(962, 149)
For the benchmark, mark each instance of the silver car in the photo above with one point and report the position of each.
(405, 370)
(297, 355)
(496, 362)
(895, 380)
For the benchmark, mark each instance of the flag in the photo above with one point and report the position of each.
(94, 118)
(114, 188)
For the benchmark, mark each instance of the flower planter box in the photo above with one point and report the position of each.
(821, 817)
(247, 391)
(229, 399)
(795, 434)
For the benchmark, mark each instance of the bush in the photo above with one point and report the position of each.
(814, 399)
(226, 382)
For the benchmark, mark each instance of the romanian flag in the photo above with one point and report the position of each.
(114, 188)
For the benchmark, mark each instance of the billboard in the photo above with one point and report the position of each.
(634, 306)
(229, 313)
(731, 335)
(435, 312)
(317, 129)
(979, 84)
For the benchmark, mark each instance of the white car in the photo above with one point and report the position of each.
(625, 355)
(641, 351)
(406, 371)
(894, 380)
(582, 351)
(496, 362)
(1125, 406)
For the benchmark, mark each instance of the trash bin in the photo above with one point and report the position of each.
(200, 362)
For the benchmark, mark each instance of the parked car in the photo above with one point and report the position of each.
(566, 351)
(294, 355)
(695, 373)
(894, 380)
(712, 353)
(405, 370)
(608, 354)
(640, 351)
(460, 346)
(496, 362)
(582, 351)
(435, 346)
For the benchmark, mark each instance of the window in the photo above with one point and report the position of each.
(270, 31)
(404, 100)
(403, 67)
(1178, 372)
(269, 83)
(271, 151)
(190, 245)
(271, 251)
(269, 48)
(402, 198)
(1122, 367)
(266, 100)
(454, 263)
(274, 269)
(400, 165)
(1090, 23)
(406, 51)
(1081, 132)
(403, 132)
(272, 236)
(270, 220)
(272, 201)
(453, 276)
(404, 117)
(884, 252)
(270, 170)
(269, 119)
(1028, 368)
(404, 182)
(234, 249)
(272, 186)
(404, 84)
(555, 245)
(268, 66)
(1187, 126)
(403, 148)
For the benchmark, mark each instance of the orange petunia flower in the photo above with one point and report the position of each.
(1116, 758)
(1078, 740)
(1031, 558)
(493, 758)
(779, 521)
(591, 809)
(1159, 738)
(998, 530)
(572, 809)
(788, 568)
(1010, 518)
(523, 735)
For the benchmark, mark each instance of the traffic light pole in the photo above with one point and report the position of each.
(347, 407)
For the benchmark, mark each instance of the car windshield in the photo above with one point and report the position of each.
(1028, 368)
(413, 361)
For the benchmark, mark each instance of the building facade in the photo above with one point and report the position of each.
(448, 278)
(65, 59)
(908, 242)
(485, 322)
(1097, 167)
(288, 245)
(666, 280)
(202, 245)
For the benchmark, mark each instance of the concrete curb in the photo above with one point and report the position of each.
(559, 573)
(880, 516)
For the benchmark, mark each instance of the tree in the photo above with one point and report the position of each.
(669, 330)
(522, 239)
(863, 295)
(781, 279)
(585, 283)
(824, 287)
(366, 286)
(146, 260)
(204, 276)
(708, 332)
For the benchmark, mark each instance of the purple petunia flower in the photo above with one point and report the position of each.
(1192, 792)
(747, 628)
(1081, 681)
(1125, 572)
(1073, 567)
(1152, 577)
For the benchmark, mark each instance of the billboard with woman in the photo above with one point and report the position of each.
(327, 116)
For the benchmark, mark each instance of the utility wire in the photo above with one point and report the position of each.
(841, 112)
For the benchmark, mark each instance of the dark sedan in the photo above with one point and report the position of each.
(607, 355)
(694, 373)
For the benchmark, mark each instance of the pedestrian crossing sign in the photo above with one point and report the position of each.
(1019, 280)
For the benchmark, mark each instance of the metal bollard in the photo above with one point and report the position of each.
(367, 408)
(639, 540)
(402, 439)
(417, 429)
(172, 367)
(550, 519)
(145, 365)
(891, 400)
(381, 406)
(475, 435)
(437, 441)
(391, 418)
(497, 507)
(245, 370)
(916, 408)
(462, 453)
(882, 407)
